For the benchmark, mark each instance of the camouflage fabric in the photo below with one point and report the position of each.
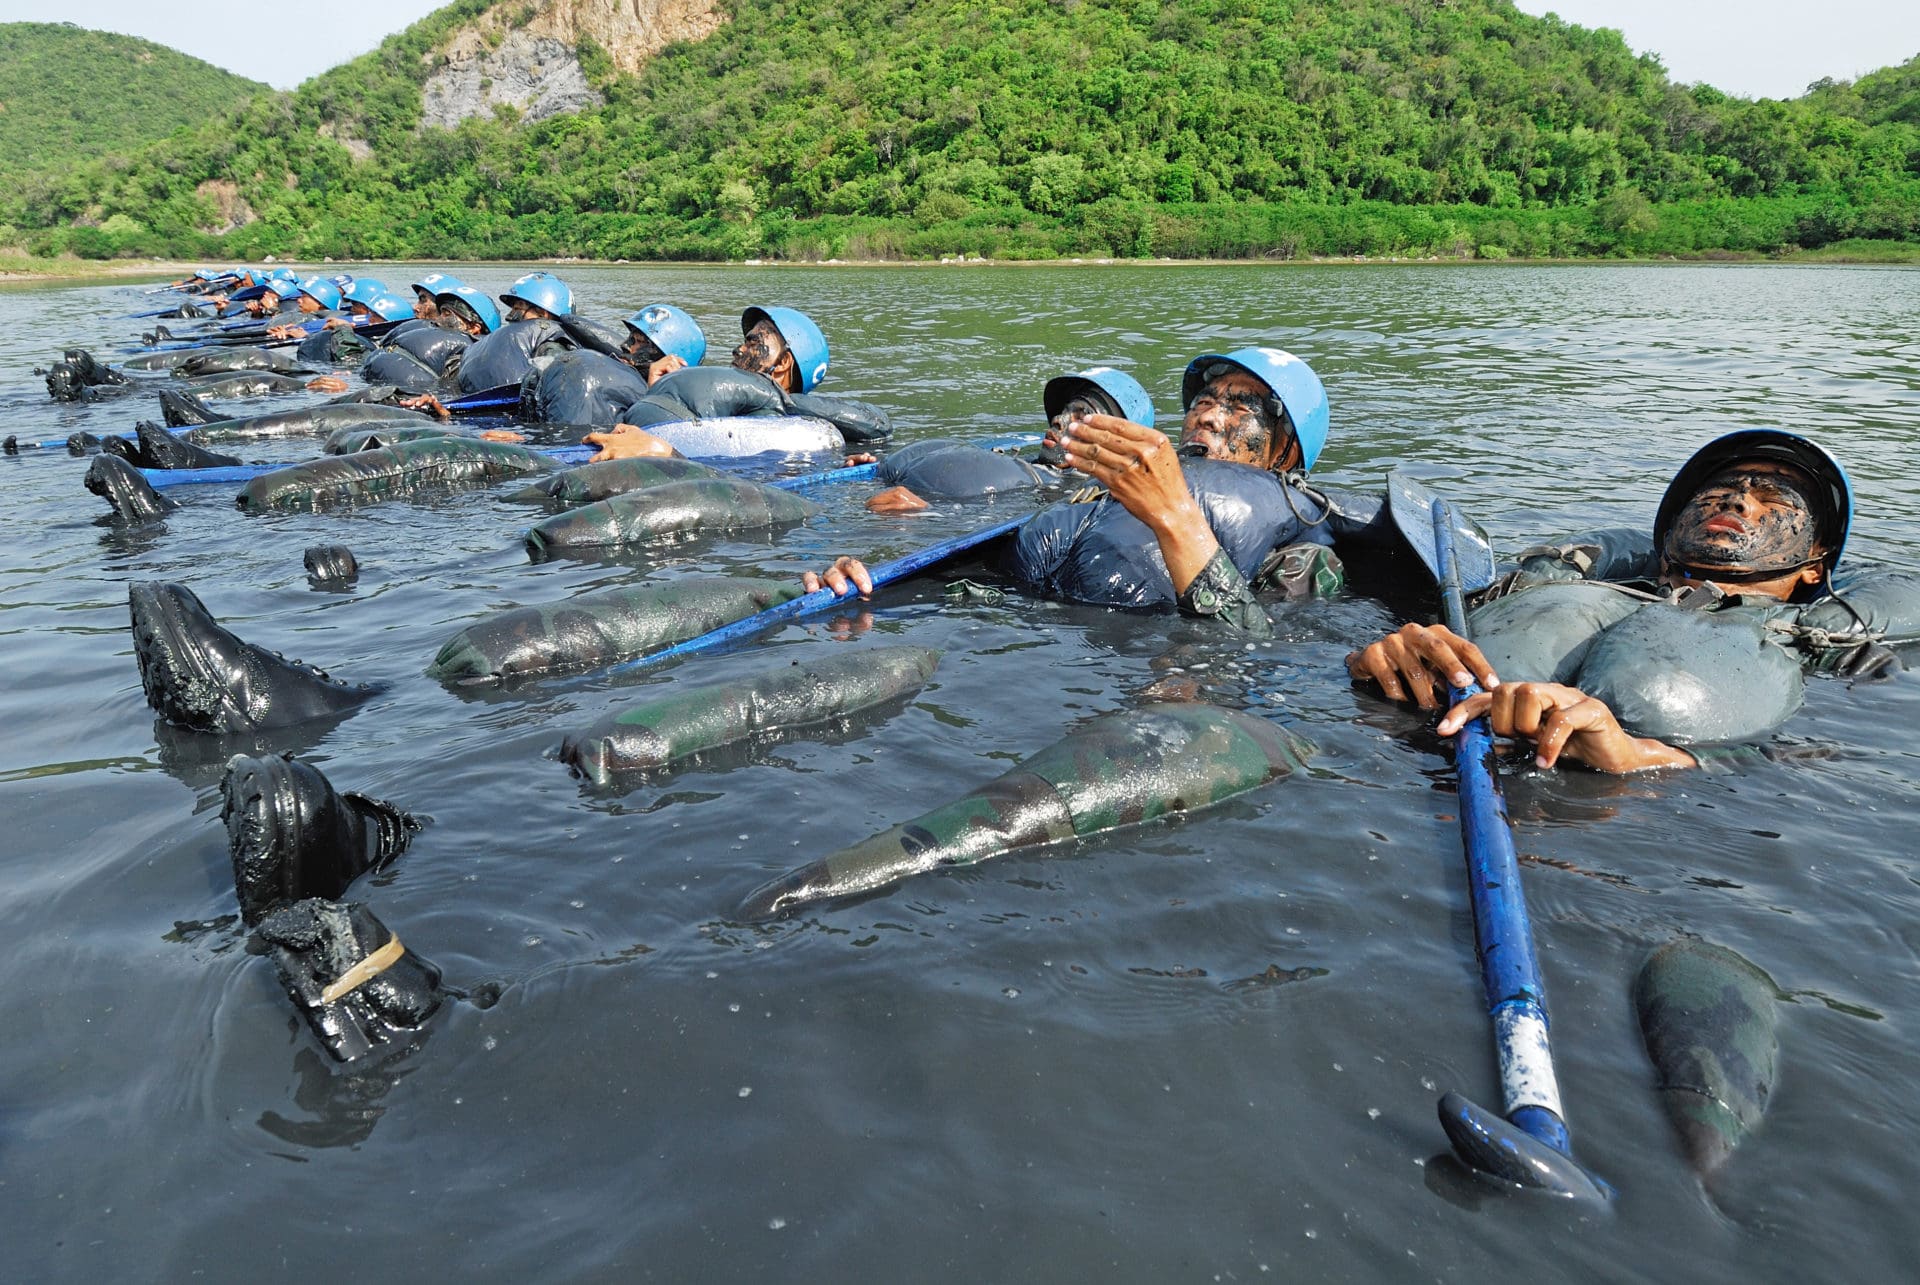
(1708, 1017)
(597, 629)
(1121, 769)
(590, 482)
(1221, 593)
(1304, 570)
(690, 717)
(683, 508)
(368, 476)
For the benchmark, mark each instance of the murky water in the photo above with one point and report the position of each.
(1037, 1069)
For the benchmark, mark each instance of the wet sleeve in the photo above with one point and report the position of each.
(1302, 570)
(1221, 593)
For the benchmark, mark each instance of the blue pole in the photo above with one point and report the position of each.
(1503, 932)
(884, 574)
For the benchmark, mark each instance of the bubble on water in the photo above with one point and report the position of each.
(578, 904)
(1373, 1113)
(533, 939)
(733, 1008)
(711, 975)
(1426, 1082)
(1311, 1234)
(1011, 992)
(776, 1224)
(490, 1044)
(746, 1091)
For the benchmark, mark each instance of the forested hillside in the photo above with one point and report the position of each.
(1025, 128)
(69, 95)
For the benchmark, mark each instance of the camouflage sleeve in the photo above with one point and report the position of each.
(1304, 570)
(1221, 593)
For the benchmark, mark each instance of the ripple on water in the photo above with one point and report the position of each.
(1213, 1044)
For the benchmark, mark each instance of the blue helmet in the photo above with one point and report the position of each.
(1115, 389)
(389, 307)
(542, 290)
(482, 306)
(1290, 380)
(364, 290)
(803, 339)
(673, 331)
(436, 283)
(321, 291)
(342, 279)
(1833, 502)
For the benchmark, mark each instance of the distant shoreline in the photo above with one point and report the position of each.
(27, 270)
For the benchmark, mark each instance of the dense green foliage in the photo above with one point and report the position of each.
(867, 128)
(67, 93)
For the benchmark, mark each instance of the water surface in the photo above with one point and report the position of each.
(1038, 1069)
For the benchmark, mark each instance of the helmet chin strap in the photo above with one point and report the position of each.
(1738, 575)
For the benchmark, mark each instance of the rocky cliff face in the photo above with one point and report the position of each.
(528, 56)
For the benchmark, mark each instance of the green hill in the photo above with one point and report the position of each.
(1024, 128)
(67, 93)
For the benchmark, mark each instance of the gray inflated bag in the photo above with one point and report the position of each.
(1694, 676)
(1541, 635)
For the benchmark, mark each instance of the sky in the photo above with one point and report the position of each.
(1754, 48)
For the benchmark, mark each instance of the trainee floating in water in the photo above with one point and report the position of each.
(780, 360)
(1198, 527)
(1121, 769)
(688, 718)
(1626, 655)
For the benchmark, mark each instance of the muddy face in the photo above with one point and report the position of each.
(1232, 419)
(1748, 517)
(764, 352)
(641, 350)
(1051, 452)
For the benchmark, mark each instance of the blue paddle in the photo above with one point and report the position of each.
(1529, 1146)
(808, 603)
